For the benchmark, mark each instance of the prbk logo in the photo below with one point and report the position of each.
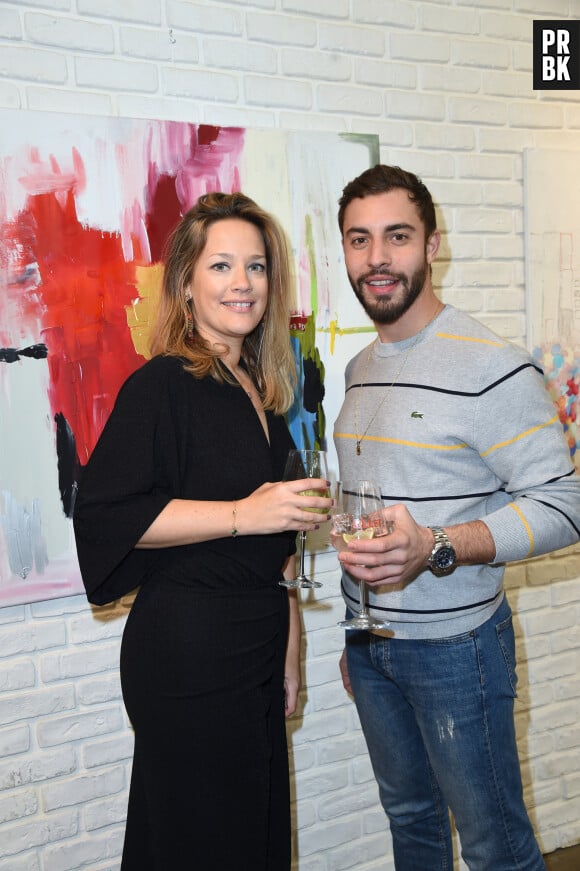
(556, 55)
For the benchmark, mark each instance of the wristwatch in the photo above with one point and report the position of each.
(442, 558)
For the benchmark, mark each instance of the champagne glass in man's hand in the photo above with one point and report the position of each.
(358, 515)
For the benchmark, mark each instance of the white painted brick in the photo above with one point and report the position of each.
(115, 74)
(36, 833)
(554, 621)
(477, 111)
(355, 800)
(33, 64)
(229, 116)
(302, 757)
(362, 771)
(71, 604)
(280, 29)
(17, 675)
(133, 106)
(419, 47)
(327, 697)
(62, 730)
(544, 115)
(358, 40)
(322, 670)
(14, 740)
(46, 4)
(446, 79)
(60, 666)
(506, 27)
(113, 750)
(144, 11)
(318, 725)
(312, 121)
(305, 815)
(385, 74)
(19, 804)
(24, 863)
(239, 55)
(349, 100)
(264, 91)
(484, 221)
(509, 327)
(36, 768)
(321, 8)
(98, 692)
(479, 53)
(100, 814)
(496, 275)
(83, 789)
(85, 853)
(445, 20)
(328, 835)
(509, 84)
(342, 749)
(87, 629)
(397, 12)
(37, 703)
(151, 44)
(181, 82)
(25, 638)
(315, 64)
(417, 106)
(357, 854)
(322, 781)
(442, 136)
(48, 100)
(203, 19)
(496, 248)
(69, 33)
(10, 26)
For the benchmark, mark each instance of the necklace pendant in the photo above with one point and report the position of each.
(358, 447)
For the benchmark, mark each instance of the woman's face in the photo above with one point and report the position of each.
(229, 286)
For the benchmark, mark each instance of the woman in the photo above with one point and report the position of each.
(180, 497)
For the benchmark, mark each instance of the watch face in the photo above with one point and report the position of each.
(444, 558)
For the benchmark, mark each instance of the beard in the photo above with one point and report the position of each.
(385, 309)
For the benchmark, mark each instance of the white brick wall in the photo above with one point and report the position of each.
(447, 87)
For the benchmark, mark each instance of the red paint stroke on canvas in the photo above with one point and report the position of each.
(76, 305)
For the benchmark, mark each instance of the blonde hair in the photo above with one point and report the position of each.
(266, 351)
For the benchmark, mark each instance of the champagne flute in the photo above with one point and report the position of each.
(305, 464)
(358, 515)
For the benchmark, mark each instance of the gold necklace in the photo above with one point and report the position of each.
(359, 438)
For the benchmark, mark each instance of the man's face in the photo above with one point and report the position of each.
(387, 256)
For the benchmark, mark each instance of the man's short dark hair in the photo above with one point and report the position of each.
(381, 179)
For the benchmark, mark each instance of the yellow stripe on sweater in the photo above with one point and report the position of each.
(526, 527)
(348, 435)
(522, 435)
(470, 339)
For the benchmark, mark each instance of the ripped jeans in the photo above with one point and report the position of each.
(438, 720)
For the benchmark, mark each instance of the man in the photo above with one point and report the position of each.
(456, 426)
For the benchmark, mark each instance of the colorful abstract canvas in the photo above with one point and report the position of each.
(552, 192)
(86, 205)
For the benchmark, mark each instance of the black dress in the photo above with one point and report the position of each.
(202, 657)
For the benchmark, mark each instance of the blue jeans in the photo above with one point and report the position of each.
(438, 720)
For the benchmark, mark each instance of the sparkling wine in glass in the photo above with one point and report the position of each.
(299, 465)
(358, 515)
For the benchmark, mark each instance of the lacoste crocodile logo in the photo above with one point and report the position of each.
(417, 414)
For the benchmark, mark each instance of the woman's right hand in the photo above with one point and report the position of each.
(283, 507)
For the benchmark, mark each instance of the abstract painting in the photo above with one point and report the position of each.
(86, 205)
(552, 189)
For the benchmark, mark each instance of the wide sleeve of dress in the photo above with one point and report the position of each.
(131, 475)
